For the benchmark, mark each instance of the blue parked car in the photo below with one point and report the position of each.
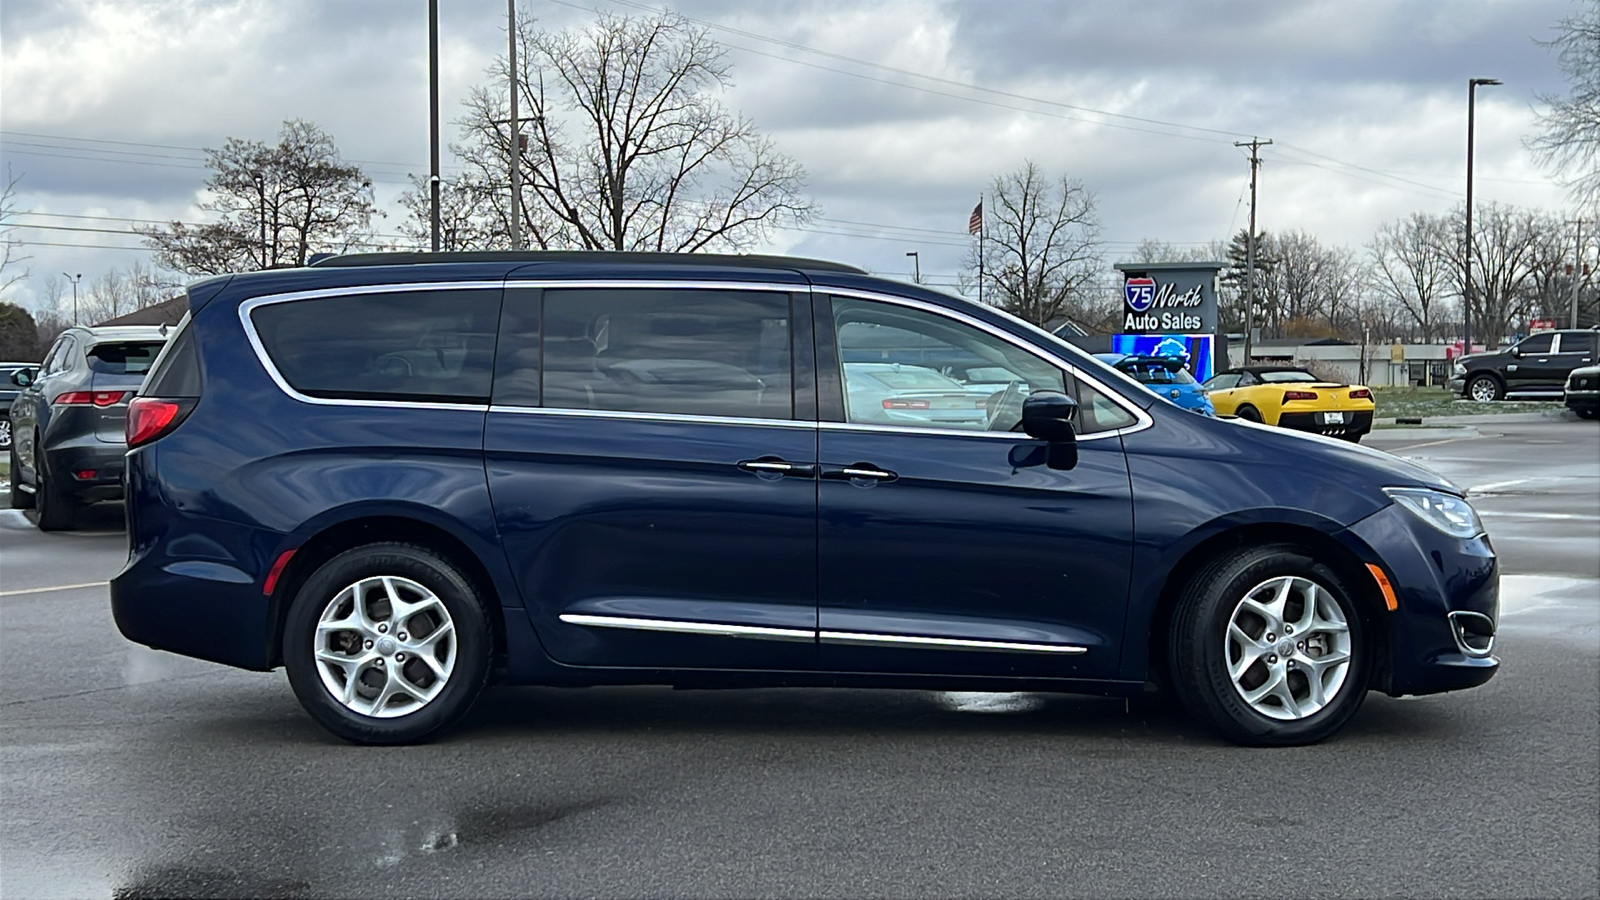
(1167, 376)
(403, 476)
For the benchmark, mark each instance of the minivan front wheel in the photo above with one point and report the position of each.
(387, 644)
(1268, 648)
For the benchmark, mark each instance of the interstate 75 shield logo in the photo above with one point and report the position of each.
(1139, 292)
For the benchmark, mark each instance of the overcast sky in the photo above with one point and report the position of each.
(901, 111)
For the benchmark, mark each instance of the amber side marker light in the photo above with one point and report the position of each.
(1383, 585)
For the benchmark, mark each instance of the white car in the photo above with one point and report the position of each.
(894, 393)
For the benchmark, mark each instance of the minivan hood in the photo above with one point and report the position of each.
(1363, 466)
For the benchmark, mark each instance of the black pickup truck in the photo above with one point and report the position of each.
(1537, 364)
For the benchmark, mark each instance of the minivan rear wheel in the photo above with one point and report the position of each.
(1268, 648)
(387, 644)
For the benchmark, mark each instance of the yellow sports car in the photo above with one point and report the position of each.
(1292, 398)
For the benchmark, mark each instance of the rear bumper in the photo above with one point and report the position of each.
(86, 468)
(1434, 575)
(1356, 423)
(1581, 399)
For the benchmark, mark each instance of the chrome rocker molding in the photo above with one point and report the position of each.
(855, 638)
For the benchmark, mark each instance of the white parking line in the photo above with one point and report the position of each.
(57, 587)
(1538, 515)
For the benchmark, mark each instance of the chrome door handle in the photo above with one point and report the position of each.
(767, 466)
(863, 471)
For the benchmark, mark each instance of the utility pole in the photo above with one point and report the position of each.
(433, 122)
(516, 131)
(1577, 274)
(1255, 145)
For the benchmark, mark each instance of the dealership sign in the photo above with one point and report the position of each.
(1169, 298)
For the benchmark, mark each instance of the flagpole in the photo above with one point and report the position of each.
(981, 226)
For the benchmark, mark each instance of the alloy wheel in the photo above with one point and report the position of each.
(1483, 390)
(385, 646)
(1288, 648)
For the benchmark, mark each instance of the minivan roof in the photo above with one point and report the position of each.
(740, 260)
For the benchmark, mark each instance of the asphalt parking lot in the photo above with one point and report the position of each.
(132, 773)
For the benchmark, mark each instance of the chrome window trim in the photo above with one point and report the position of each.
(249, 306)
(1142, 419)
(679, 626)
(649, 416)
(865, 639)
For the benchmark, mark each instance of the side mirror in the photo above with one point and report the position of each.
(1516, 352)
(22, 377)
(1048, 416)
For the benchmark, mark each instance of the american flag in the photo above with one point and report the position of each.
(975, 221)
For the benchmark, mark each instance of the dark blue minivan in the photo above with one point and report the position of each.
(403, 476)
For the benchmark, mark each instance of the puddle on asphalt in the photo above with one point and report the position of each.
(1523, 594)
(988, 702)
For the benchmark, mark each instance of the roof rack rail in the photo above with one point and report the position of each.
(744, 260)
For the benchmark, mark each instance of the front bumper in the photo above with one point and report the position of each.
(1435, 575)
(1581, 399)
(1457, 384)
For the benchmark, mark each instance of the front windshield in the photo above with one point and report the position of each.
(1287, 375)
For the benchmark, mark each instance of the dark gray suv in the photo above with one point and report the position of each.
(68, 419)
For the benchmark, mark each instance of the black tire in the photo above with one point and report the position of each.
(1355, 438)
(1248, 413)
(468, 611)
(1198, 648)
(1484, 389)
(19, 498)
(1588, 413)
(58, 510)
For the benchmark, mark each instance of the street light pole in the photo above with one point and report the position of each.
(516, 130)
(74, 279)
(1466, 290)
(433, 123)
(916, 263)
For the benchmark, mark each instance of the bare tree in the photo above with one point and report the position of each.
(121, 291)
(1570, 141)
(1408, 268)
(630, 148)
(277, 204)
(10, 247)
(1041, 246)
(1504, 248)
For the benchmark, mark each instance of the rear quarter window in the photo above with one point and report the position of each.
(176, 374)
(433, 346)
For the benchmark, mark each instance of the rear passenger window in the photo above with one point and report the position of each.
(177, 373)
(421, 345)
(681, 352)
(124, 358)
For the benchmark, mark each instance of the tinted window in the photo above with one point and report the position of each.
(680, 352)
(423, 345)
(176, 374)
(1222, 383)
(124, 358)
(1287, 376)
(1577, 343)
(56, 359)
(1539, 343)
(914, 368)
(1097, 412)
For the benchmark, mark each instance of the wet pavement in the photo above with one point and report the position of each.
(129, 773)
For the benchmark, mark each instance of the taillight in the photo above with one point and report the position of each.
(1362, 394)
(905, 404)
(152, 417)
(1298, 395)
(90, 398)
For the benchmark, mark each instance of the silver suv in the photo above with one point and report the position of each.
(68, 419)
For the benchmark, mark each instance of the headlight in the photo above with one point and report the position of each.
(1460, 369)
(1446, 512)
